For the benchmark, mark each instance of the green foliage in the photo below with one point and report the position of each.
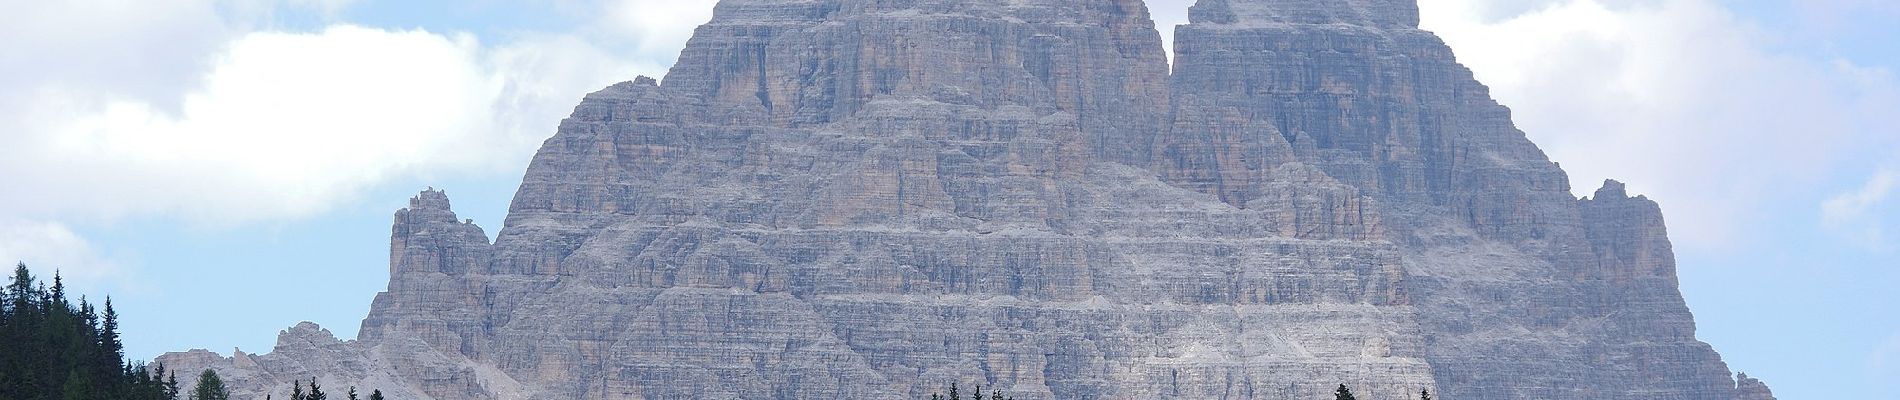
(210, 387)
(52, 348)
(1342, 393)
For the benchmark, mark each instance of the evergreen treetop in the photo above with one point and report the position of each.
(210, 387)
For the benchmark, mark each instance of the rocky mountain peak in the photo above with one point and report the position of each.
(430, 199)
(1749, 388)
(1612, 190)
(304, 335)
(872, 198)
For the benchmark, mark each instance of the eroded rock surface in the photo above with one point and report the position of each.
(870, 199)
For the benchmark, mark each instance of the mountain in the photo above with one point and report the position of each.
(869, 199)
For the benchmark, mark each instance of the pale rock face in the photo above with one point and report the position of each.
(1751, 389)
(873, 198)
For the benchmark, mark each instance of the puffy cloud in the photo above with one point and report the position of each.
(205, 112)
(1682, 99)
(47, 247)
(282, 125)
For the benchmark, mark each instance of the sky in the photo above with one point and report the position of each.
(223, 169)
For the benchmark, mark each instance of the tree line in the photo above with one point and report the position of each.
(52, 348)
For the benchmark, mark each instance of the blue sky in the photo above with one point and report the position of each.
(226, 168)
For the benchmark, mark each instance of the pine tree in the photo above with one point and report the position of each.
(171, 383)
(376, 394)
(296, 390)
(1425, 394)
(352, 394)
(953, 392)
(316, 393)
(109, 353)
(210, 387)
(1342, 393)
(59, 287)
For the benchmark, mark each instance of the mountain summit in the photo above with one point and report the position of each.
(870, 199)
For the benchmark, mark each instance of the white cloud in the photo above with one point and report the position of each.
(1680, 98)
(1856, 214)
(282, 126)
(285, 125)
(48, 247)
(183, 110)
(659, 28)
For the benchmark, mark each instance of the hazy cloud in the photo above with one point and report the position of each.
(1857, 214)
(1884, 365)
(273, 125)
(48, 247)
(203, 113)
(1680, 98)
(659, 28)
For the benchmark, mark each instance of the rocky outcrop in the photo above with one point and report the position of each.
(1747, 388)
(870, 199)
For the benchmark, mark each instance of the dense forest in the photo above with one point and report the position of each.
(52, 348)
(55, 349)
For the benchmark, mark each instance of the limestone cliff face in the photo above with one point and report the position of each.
(1522, 290)
(872, 198)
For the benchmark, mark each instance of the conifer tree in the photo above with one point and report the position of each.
(109, 353)
(316, 393)
(296, 390)
(376, 394)
(171, 383)
(352, 393)
(953, 392)
(1425, 394)
(210, 387)
(1342, 393)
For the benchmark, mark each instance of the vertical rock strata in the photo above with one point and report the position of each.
(873, 198)
(1523, 291)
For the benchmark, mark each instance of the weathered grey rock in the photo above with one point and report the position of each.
(1751, 389)
(874, 198)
